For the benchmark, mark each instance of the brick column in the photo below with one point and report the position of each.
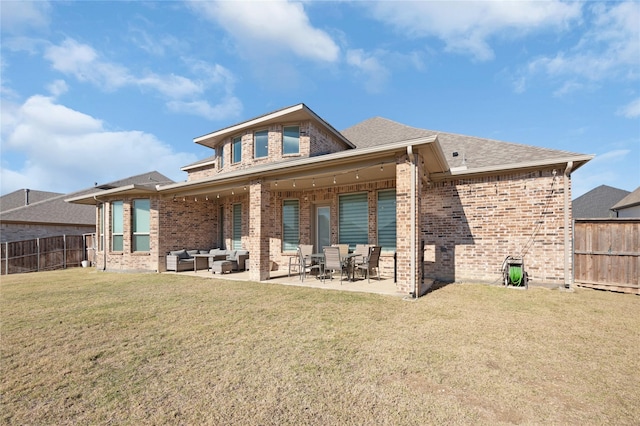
(259, 261)
(407, 271)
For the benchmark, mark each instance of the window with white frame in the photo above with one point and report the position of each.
(141, 225)
(261, 144)
(221, 156)
(101, 227)
(236, 150)
(291, 140)
(353, 219)
(290, 224)
(117, 226)
(237, 227)
(387, 219)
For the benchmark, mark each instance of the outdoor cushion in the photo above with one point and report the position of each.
(182, 254)
(217, 251)
(192, 252)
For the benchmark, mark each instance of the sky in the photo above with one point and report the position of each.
(93, 92)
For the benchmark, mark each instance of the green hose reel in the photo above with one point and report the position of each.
(513, 272)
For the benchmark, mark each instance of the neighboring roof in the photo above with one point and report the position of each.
(22, 197)
(54, 210)
(464, 154)
(631, 200)
(597, 202)
(298, 112)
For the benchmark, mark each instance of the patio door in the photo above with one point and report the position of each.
(323, 227)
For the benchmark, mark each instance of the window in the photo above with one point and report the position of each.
(236, 150)
(141, 225)
(117, 226)
(387, 219)
(290, 224)
(353, 219)
(291, 140)
(101, 227)
(221, 156)
(237, 227)
(261, 144)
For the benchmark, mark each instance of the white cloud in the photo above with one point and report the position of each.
(84, 63)
(18, 16)
(270, 27)
(631, 110)
(609, 50)
(466, 27)
(57, 88)
(606, 169)
(228, 108)
(68, 150)
(368, 64)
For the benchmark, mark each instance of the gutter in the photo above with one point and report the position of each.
(567, 246)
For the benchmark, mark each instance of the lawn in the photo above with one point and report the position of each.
(87, 347)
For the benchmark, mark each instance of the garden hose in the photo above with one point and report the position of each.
(515, 275)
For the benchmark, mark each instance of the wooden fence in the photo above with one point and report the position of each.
(607, 254)
(46, 254)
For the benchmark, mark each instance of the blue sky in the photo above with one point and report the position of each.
(98, 91)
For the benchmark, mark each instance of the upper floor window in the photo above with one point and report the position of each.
(261, 144)
(117, 226)
(141, 225)
(236, 150)
(221, 156)
(291, 140)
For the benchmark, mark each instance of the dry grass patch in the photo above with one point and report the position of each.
(84, 347)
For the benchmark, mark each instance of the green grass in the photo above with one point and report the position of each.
(84, 347)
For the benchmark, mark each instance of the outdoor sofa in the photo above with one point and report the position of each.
(183, 260)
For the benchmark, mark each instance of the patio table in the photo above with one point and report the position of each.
(211, 256)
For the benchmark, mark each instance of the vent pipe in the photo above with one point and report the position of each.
(26, 196)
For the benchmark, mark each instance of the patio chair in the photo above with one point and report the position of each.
(295, 263)
(306, 265)
(370, 262)
(361, 252)
(333, 262)
(344, 248)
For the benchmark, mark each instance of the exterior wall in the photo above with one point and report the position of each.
(629, 212)
(314, 141)
(27, 231)
(183, 224)
(472, 225)
(323, 197)
(202, 172)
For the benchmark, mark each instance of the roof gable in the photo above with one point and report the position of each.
(597, 202)
(633, 199)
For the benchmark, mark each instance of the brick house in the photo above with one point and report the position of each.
(442, 206)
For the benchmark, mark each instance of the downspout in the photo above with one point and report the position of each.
(567, 241)
(104, 249)
(414, 282)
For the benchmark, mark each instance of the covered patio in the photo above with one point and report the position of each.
(385, 286)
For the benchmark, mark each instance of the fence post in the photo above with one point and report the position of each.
(38, 254)
(6, 258)
(64, 251)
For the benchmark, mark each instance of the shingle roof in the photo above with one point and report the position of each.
(18, 198)
(472, 151)
(54, 210)
(633, 199)
(597, 202)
